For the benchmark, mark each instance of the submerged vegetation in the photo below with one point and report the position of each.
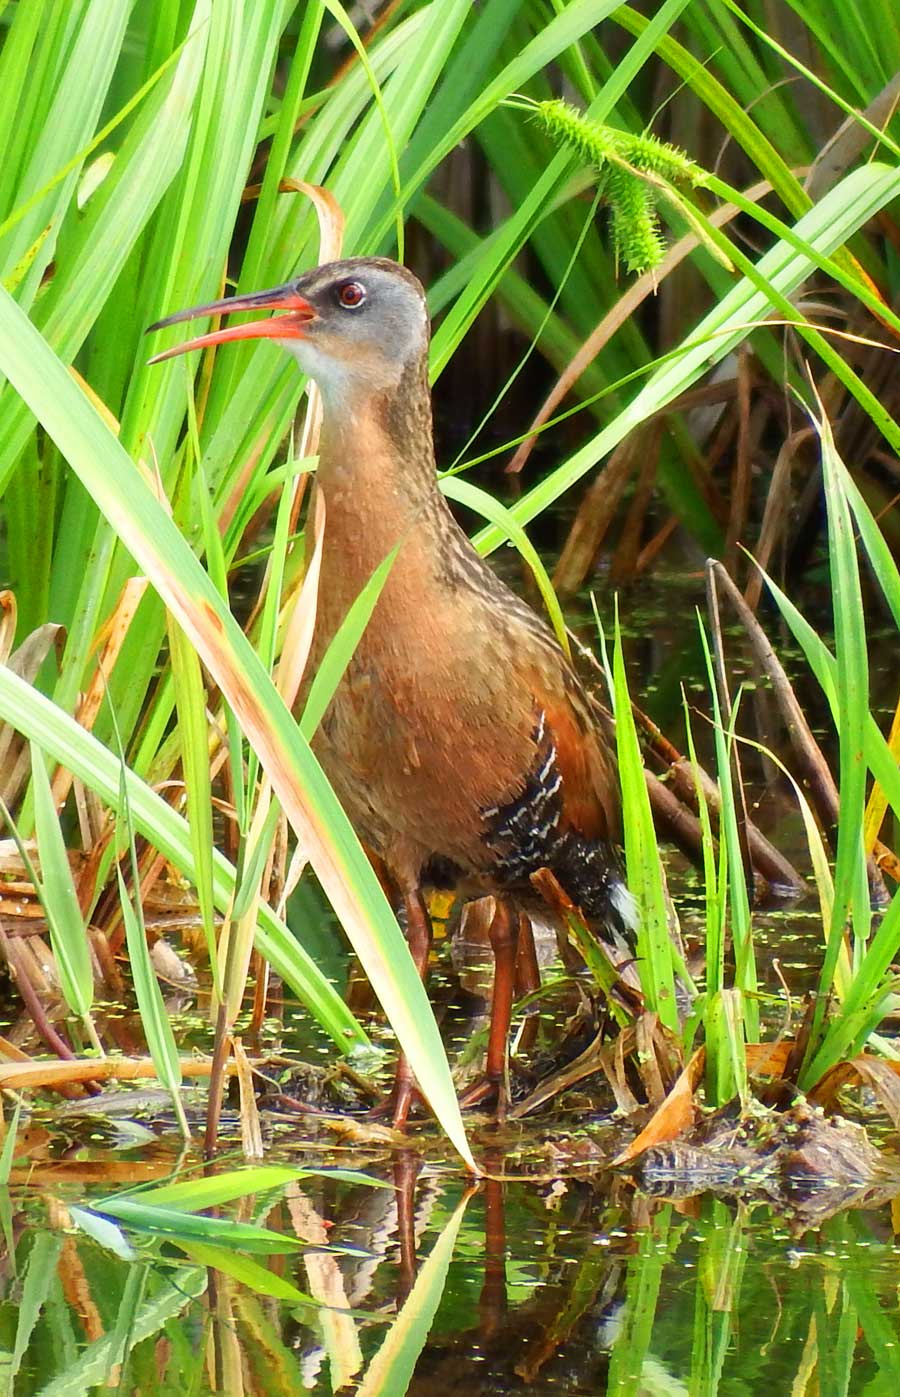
(677, 231)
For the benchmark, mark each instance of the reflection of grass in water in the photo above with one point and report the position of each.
(754, 1295)
(632, 1293)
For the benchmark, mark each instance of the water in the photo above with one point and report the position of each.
(546, 1284)
(556, 1275)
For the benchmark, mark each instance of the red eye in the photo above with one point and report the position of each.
(351, 295)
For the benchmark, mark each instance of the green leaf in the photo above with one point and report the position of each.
(175, 1225)
(244, 1269)
(464, 492)
(154, 1019)
(34, 715)
(191, 1195)
(59, 899)
(8, 1152)
(334, 662)
(779, 272)
(655, 950)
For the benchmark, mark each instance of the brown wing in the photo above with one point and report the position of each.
(589, 786)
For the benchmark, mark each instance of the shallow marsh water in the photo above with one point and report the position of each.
(556, 1275)
(538, 1285)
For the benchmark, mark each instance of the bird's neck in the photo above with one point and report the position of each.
(377, 473)
(376, 458)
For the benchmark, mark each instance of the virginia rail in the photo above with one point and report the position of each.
(460, 741)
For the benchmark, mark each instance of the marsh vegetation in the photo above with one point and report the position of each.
(663, 363)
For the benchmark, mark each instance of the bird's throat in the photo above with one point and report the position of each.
(377, 474)
(376, 459)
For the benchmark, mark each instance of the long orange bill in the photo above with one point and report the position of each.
(290, 325)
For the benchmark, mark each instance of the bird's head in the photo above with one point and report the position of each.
(353, 326)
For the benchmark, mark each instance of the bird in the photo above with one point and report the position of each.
(460, 741)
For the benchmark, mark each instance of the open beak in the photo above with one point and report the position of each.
(297, 314)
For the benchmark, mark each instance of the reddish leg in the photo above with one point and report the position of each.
(418, 938)
(503, 936)
(528, 979)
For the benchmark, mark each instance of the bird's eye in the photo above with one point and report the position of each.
(351, 295)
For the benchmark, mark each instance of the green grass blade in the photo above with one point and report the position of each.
(851, 893)
(465, 493)
(92, 1367)
(343, 19)
(250, 1273)
(715, 897)
(721, 102)
(738, 898)
(80, 156)
(193, 734)
(40, 720)
(763, 34)
(170, 1223)
(865, 1002)
(154, 1019)
(68, 935)
(341, 648)
(850, 674)
(631, 1345)
(878, 755)
(655, 950)
(36, 1288)
(192, 1195)
(827, 226)
(69, 125)
(868, 1000)
(8, 1152)
(880, 557)
(575, 20)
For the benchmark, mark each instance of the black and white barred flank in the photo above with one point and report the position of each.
(525, 835)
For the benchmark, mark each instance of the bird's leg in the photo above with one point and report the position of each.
(503, 935)
(528, 979)
(418, 938)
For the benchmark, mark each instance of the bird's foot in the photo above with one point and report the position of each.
(403, 1097)
(486, 1091)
